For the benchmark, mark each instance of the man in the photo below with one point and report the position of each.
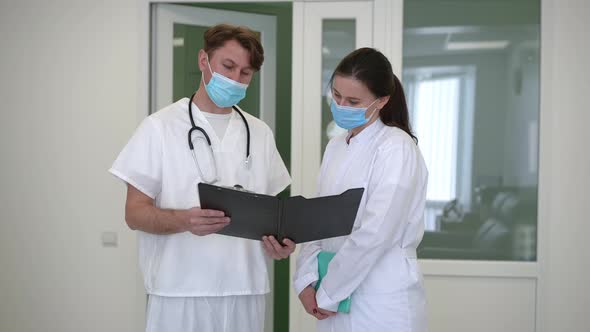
(198, 280)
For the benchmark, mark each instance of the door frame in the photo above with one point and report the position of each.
(145, 101)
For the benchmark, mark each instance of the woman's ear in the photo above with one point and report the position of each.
(382, 102)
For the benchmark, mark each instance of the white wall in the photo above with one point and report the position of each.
(68, 96)
(565, 166)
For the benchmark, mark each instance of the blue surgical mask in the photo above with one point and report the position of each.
(350, 117)
(223, 91)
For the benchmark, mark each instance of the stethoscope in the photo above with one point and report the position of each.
(192, 148)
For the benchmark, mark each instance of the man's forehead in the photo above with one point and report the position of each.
(232, 52)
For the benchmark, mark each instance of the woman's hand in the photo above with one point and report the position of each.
(326, 313)
(307, 298)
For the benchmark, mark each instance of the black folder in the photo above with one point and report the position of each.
(297, 218)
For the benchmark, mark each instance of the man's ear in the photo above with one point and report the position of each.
(203, 67)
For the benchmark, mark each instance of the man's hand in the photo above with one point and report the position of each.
(275, 250)
(307, 298)
(204, 222)
(142, 214)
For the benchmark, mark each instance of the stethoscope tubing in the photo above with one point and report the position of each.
(195, 127)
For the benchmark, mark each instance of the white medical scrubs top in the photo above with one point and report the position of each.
(157, 161)
(378, 257)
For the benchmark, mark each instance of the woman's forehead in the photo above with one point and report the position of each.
(350, 87)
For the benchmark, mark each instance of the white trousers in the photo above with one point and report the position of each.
(206, 314)
(403, 311)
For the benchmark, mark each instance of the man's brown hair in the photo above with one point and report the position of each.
(216, 36)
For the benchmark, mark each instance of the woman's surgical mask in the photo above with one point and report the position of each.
(223, 91)
(350, 117)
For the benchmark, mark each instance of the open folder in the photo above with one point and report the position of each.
(297, 218)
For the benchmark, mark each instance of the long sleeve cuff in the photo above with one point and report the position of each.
(300, 283)
(324, 301)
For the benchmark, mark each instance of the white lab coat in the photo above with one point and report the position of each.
(376, 263)
(158, 162)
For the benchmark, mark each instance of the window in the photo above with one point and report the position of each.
(438, 98)
(472, 82)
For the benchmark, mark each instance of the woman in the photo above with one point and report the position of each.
(376, 264)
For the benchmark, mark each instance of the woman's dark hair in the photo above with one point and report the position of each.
(371, 67)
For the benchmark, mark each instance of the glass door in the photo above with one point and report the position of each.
(327, 32)
(324, 33)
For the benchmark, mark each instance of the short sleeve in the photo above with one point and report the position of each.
(279, 177)
(140, 162)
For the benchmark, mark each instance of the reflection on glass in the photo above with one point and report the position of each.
(338, 39)
(471, 73)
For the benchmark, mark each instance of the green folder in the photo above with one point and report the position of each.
(324, 258)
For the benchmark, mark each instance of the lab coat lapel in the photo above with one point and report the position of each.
(353, 151)
(345, 163)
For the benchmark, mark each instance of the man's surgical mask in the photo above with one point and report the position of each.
(223, 91)
(350, 117)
